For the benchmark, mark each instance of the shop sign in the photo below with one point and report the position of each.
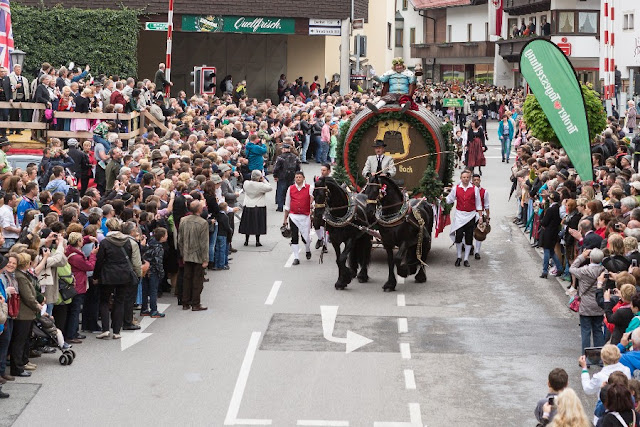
(238, 24)
(565, 47)
(453, 102)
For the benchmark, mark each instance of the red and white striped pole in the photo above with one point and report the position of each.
(609, 43)
(169, 41)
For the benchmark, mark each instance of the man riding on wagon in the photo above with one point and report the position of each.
(398, 87)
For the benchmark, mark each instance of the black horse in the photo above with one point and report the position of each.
(344, 214)
(400, 223)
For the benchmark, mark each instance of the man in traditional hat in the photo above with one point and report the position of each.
(380, 162)
(398, 86)
(484, 200)
(297, 210)
(468, 210)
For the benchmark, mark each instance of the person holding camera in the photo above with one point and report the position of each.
(569, 411)
(557, 381)
(587, 268)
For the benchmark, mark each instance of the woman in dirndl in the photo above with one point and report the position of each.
(254, 213)
(476, 147)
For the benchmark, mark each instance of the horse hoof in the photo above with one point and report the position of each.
(389, 289)
(421, 279)
(363, 279)
(340, 288)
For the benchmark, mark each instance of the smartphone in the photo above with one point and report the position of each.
(593, 355)
(40, 217)
(634, 262)
(552, 400)
(606, 276)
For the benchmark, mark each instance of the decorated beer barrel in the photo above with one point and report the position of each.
(418, 142)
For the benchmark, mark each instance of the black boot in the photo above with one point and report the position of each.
(246, 240)
(258, 244)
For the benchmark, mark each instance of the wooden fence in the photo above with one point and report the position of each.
(135, 121)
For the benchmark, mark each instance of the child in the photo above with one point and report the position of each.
(333, 144)
(221, 253)
(458, 144)
(153, 255)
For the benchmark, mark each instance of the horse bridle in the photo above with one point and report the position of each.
(373, 201)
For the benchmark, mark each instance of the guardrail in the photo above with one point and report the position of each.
(135, 121)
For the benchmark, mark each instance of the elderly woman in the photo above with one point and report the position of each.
(610, 355)
(631, 115)
(29, 308)
(80, 266)
(254, 214)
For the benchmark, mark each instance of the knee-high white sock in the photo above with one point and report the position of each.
(295, 248)
(467, 251)
(459, 249)
(478, 246)
(320, 233)
(307, 244)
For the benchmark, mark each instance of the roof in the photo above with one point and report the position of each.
(275, 8)
(439, 4)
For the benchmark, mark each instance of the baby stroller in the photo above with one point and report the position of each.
(45, 333)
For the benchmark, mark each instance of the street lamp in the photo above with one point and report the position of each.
(17, 57)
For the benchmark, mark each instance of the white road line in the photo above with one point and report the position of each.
(289, 262)
(403, 325)
(323, 423)
(238, 391)
(401, 300)
(405, 350)
(409, 379)
(274, 292)
(414, 413)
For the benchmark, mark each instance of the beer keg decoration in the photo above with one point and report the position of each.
(419, 144)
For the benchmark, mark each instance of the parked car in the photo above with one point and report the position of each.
(22, 160)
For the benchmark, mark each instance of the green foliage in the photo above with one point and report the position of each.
(540, 127)
(431, 186)
(105, 39)
(339, 171)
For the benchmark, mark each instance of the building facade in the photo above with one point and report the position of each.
(627, 46)
(457, 44)
(249, 40)
(574, 25)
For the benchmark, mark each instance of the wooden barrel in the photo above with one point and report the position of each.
(407, 135)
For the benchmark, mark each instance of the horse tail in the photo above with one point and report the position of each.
(362, 251)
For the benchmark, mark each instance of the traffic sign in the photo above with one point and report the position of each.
(325, 31)
(156, 26)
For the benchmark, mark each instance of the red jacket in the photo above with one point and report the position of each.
(117, 98)
(80, 265)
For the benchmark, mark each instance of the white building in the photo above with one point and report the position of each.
(627, 45)
(573, 25)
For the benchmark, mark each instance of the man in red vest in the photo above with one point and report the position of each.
(468, 211)
(297, 209)
(484, 199)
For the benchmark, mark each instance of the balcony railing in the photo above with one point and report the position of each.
(511, 49)
(453, 50)
(523, 7)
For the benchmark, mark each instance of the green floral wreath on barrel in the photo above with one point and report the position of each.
(430, 185)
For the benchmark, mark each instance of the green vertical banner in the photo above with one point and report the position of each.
(555, 85)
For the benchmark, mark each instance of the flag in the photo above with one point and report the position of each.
(495, 17)
(555, 85)
(6, 35)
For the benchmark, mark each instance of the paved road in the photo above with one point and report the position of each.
(472, 346)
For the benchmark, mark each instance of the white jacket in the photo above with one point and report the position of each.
(254, 193)
(592, 385)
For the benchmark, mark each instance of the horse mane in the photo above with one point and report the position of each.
(390, 183)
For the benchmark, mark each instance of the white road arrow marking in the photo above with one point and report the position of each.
(132, 338)
(353, 341)
(414, 414)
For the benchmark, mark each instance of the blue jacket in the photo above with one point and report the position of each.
(630, 359)
(24, 205)
(501, 129)
(254, 155)
(57, 185)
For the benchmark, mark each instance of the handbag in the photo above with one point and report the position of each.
(14, 306)
(67, 291)
(134, 276)
(574, 302)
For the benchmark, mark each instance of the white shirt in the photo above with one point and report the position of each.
(8, 219)
(461, 218)
(287, 202)
(592, 385)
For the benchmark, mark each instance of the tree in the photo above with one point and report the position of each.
(540, 127)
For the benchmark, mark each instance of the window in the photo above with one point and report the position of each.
(412, 36)
(588, 22)
(627, 21)
(388, 35)
(405, 4)
(468, 32)
(566, 22)
(399, 37)
(483, 73)
(486, 31)
(448, 33)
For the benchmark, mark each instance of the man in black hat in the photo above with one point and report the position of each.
(380, 162)
(284, 172)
